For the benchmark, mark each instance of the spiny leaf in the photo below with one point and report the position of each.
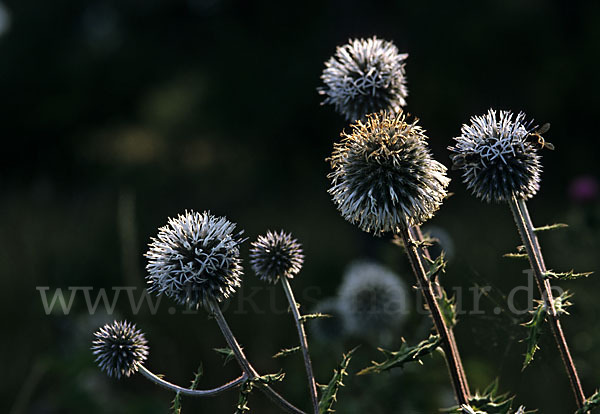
(310, 316)
(561, 303)
(534, 327)
(197, 376)
(551, 227)
(570, 275)
(436, 266)
(590, 403)
(269, 378)
(329, 391)
(426, 242)
(176, 404)
(448, 308)
(226, 353)
(286, 352)
(515, 255)
(489, 402)
(242, 404)
(403, 355)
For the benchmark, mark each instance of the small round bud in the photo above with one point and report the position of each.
(120, 349)
(365, 76)
(372, 298)
(276, 255)
(498, 157)
(195, 259)
(384, 176)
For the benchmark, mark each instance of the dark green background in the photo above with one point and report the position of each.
(133, 111)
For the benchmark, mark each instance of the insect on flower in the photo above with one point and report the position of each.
(535, 137)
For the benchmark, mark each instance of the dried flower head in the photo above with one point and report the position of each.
(120, 349)
(195, 259)
(276, 255)
(498, 157)
(372, 298)
(330, 328)
(384, 176)
(365, 76)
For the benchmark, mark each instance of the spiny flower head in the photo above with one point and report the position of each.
(384, 176)
(498, 157)
(120, 349)
(372, 298)
(365, 76)
(276, 255)
(195, 259)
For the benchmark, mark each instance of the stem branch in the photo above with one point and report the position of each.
(312, 386)
(525, 227)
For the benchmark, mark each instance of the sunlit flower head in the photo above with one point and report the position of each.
(276, 255)
(383, 175)
(498, 155)
(364, 76)
(195, 259)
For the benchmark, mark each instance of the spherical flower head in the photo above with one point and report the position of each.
(384, 176)
(372, 298)
(365, 76)
(276, 255)
(195, 259)
(497, 157)
(120, 349)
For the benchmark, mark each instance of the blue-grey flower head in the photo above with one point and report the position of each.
(497, 157)
(120, 349)
(330, 328)
(372, 298)
(364, 76)
(276, 255)
(383, 175)
(195, 259)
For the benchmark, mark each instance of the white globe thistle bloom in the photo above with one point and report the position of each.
(195, 259)
(383, 176)
(372, 298)
(120, 349)
(364, 76)
(499, 156)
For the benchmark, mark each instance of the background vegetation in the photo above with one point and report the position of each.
(118, 114)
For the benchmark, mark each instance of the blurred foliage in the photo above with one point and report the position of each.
(119, 114)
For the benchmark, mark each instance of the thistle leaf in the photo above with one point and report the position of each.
(448, 308)
(329, 391)
(242, 404)
(310, 316)
(590, 403)
(176, 404)
(489, 402)
(561, 303)
(403, 355)
(268, 379)
(436, 266)
(226, 353)
(551, 227)
(515, 255)
(534, 327)
(286, 352)
(570, 275)
(197, 376)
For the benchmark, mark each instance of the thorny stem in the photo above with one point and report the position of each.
(188, 391)
(525, 227)
(450, 349)
(245, 364)
(418, 235)
(312, 386)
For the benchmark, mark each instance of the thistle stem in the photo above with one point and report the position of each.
(312, 386)
(188, 391)
(449, 347)
(245, 364)
(438, 289)
(536, 260)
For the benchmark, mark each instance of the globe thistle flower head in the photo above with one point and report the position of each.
(120, 349)
(372, 298)
(276, 255)
(383, 175)
(195, 259)
(498, 157)
(364, 76)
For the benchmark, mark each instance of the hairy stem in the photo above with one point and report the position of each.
(312, 386)
(438, 289)
(449, 347)
(245, 364)
(188, 391)
(536, 260)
